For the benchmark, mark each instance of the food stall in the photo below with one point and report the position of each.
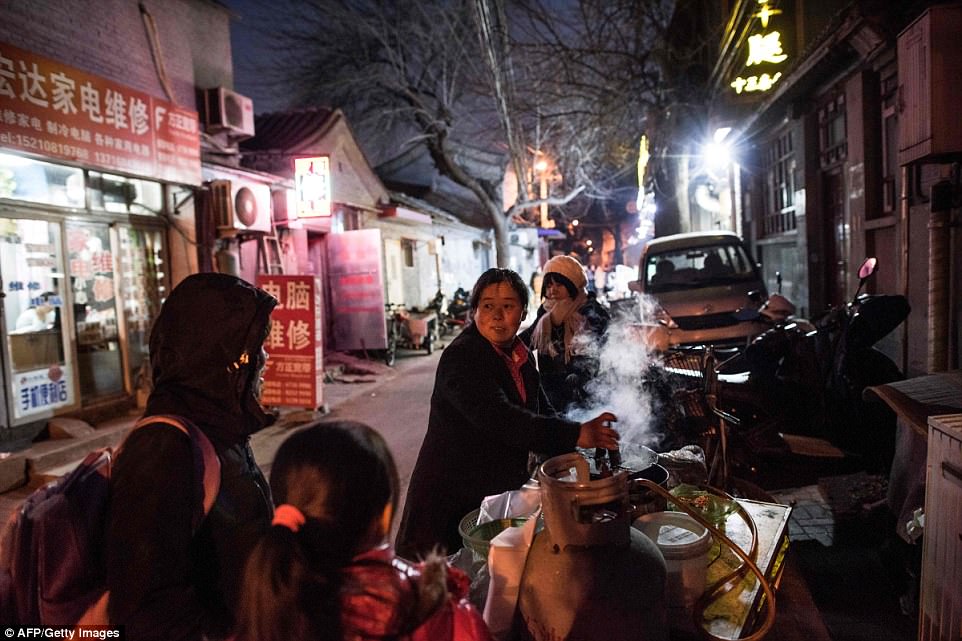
(582, 535)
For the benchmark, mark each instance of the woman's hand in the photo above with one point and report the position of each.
(598, 433)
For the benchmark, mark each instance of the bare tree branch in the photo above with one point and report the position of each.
(574, 80)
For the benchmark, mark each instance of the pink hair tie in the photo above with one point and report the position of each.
(288, 516)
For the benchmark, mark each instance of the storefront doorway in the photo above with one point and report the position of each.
(39, 364)
(90, 269)
(79, 301)
(142, 283)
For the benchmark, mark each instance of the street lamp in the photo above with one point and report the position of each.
(720, 166)
(542, 166)
(717, 155)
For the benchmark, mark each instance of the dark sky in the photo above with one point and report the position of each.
(252, 51)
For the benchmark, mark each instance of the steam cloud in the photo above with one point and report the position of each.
(619, 387)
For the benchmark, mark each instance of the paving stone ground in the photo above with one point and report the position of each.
(812, 518)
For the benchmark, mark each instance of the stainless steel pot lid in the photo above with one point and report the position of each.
(635, 456)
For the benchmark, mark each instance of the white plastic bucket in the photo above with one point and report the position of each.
(684, 543)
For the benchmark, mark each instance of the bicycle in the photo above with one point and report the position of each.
(394, 321)
(734, 432)
(409, 329)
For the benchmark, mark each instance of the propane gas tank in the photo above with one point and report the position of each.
(589, 575)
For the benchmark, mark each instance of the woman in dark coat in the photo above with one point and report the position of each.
(168, 579)
(567, 333)
(487, 413)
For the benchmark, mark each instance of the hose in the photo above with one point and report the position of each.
(728, 582)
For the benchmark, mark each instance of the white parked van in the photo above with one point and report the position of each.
(699, 281)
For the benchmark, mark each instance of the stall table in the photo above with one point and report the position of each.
(734, 614)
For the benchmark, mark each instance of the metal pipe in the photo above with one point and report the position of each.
(938, 303)
(954, 306)
(904, 258)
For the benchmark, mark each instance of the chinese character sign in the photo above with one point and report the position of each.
(294, 346)
(764, 57)
(41, 391)
(312, 180)
(357, 289)
(58, 111)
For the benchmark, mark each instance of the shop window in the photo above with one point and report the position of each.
(143, 288)
(90, 263)
(781, 177)
(890, 146)
(40, 182)
(31, 261)
(122, 195)
(833, 143)
(407, 250)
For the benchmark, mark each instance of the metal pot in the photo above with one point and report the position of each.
(639, 463)
(643, 500)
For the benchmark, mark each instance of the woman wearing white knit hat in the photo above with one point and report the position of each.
(569, 327)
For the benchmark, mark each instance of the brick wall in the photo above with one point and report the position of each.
(107, 38)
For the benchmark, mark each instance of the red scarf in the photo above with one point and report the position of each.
(515, 361)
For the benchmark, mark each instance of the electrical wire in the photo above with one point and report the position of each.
(150, 26)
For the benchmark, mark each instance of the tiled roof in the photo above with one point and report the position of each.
(412, 172)
(284, 130)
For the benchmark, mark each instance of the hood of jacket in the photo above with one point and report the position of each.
(205, 355)
(384, 596)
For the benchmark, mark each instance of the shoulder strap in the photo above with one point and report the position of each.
(200, 443)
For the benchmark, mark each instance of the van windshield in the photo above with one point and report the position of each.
(692, 268)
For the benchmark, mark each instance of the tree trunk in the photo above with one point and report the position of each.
(619, 256)
(499, 223)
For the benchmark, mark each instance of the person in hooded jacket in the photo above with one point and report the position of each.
(325, 571)
(167, 578)
(566, 333)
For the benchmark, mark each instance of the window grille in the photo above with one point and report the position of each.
(832, 134)
(781, 178)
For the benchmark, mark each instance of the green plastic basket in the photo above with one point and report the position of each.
(477, 538)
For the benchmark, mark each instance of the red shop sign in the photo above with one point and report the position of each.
(294, 367)
(54, 110)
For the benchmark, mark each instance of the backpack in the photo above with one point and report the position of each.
(52, 550)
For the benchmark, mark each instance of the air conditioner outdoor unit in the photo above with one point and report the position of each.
(240, 207)
(285, 212)
(227, 111)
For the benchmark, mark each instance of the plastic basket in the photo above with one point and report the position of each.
(477, 538)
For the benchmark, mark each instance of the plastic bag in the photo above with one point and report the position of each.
(522, 502)
(506, 559)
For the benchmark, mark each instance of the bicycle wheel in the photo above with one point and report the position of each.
(390, 354)
(428, 343)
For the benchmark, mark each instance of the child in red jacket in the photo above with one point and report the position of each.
(324, 571)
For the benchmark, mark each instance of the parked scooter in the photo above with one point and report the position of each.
(812, 380)
(458, 309)
(439, 306)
